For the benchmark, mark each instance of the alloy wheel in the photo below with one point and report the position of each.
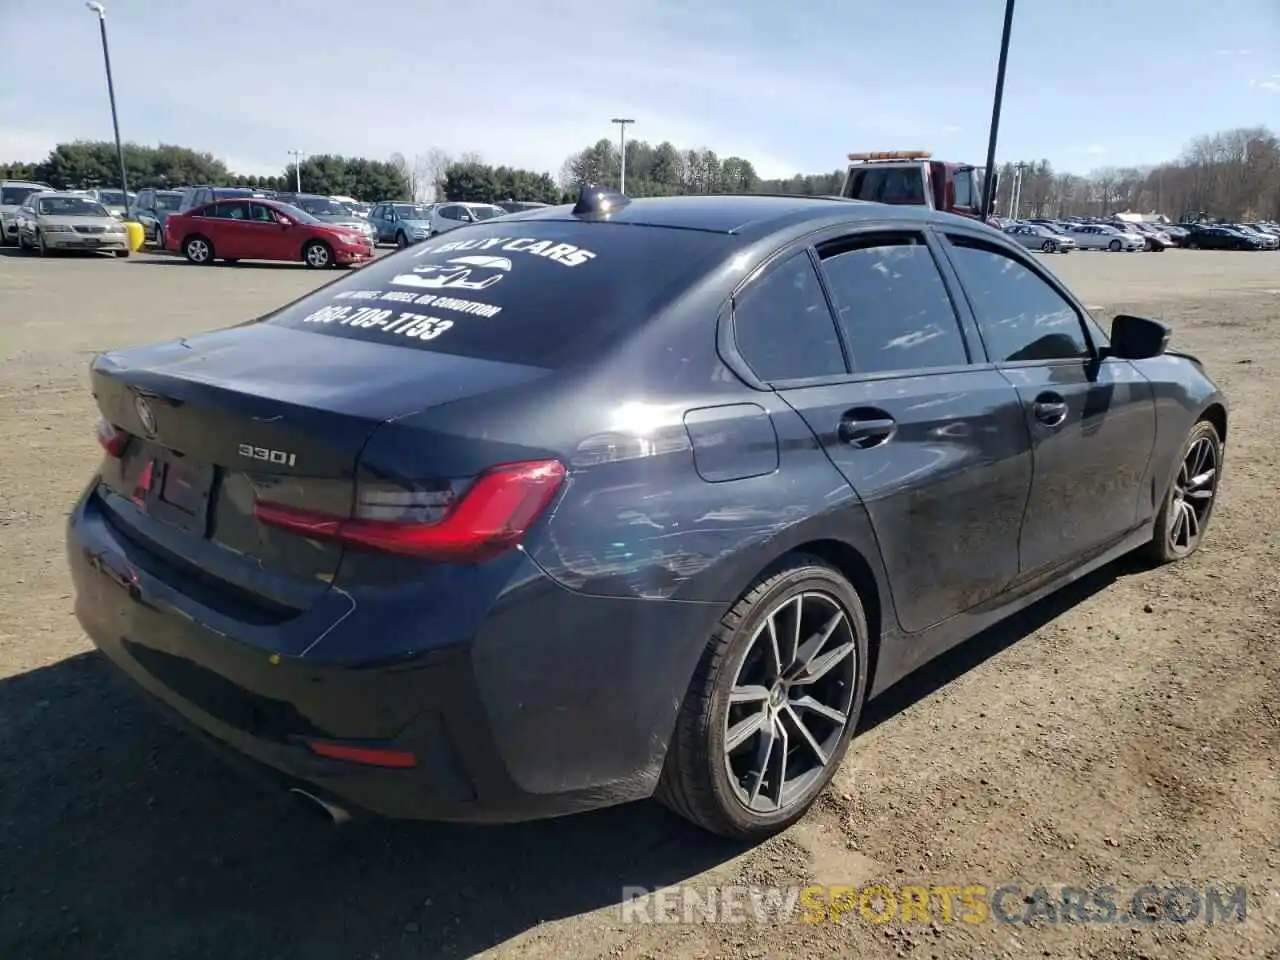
(317, 255)
(198, 250)
(791, 700)
(1193, 492)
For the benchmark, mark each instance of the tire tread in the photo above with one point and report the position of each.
(680, 787)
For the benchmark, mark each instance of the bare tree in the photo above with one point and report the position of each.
(421, 179)
(401, 166)
(437, 164)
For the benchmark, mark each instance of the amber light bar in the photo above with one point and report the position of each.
(892, 155)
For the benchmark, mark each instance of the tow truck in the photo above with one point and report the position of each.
(914, 177)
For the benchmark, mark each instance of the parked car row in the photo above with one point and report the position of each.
(401, 223)
(1117, 235)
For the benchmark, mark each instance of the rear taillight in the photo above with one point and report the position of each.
(112, 439)
(435, 522)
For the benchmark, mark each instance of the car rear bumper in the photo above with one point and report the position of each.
(517, 723)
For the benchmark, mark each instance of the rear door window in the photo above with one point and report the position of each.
(892, 305)
(540, 293)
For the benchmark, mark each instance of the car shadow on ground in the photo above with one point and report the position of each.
(138, 256)
(936, 674)
(58, 254)
(121, 838)
(156, 259)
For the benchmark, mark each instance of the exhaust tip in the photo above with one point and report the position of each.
(335, 813)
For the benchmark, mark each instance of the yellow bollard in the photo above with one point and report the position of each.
(137, 235)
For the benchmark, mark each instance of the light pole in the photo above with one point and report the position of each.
(101, 11)
(297, 168)
(1016, 204)
(995, 109)
(622, 151)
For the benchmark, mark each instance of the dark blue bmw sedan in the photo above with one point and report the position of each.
(630, 498)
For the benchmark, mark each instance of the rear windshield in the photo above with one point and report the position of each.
(881, 183)
(541, 293)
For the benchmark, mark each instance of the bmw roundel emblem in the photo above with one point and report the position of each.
(146, 416)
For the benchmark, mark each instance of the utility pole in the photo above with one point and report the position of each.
(996, 103)
(101, 11)
(622, 151)
(297, 168)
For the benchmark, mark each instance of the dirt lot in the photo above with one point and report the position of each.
(1125, 733)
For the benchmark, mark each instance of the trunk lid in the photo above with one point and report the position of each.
(212, 423)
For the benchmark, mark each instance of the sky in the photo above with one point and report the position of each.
(791, 86)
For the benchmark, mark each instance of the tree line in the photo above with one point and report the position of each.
(1233, 174)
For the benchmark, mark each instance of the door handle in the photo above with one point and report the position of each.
(1050, 409)
(865, 428)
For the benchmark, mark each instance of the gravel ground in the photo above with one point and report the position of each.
(1123, 733)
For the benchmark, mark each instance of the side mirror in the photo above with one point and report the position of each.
(1138, 338)
(284, 221)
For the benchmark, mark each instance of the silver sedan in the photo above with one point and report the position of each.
(64, 221)
(1036, 236)
(1097, 236)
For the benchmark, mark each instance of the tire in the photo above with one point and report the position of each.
(41, 249)
(231, 261)
(198, 250)
(1048, 246)
(1114, 246)
(402, 241)
(122, 254)
(1190, 495)
(700, 780)
(317, 255)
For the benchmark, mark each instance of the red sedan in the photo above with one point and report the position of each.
(243, 229)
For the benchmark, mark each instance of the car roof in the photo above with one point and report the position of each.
(738, 213)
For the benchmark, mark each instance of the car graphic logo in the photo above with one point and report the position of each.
(146, 416)
(460, 273)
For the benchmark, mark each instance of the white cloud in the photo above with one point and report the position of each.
(530, 102)
(27, 145)
(1092, 150)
